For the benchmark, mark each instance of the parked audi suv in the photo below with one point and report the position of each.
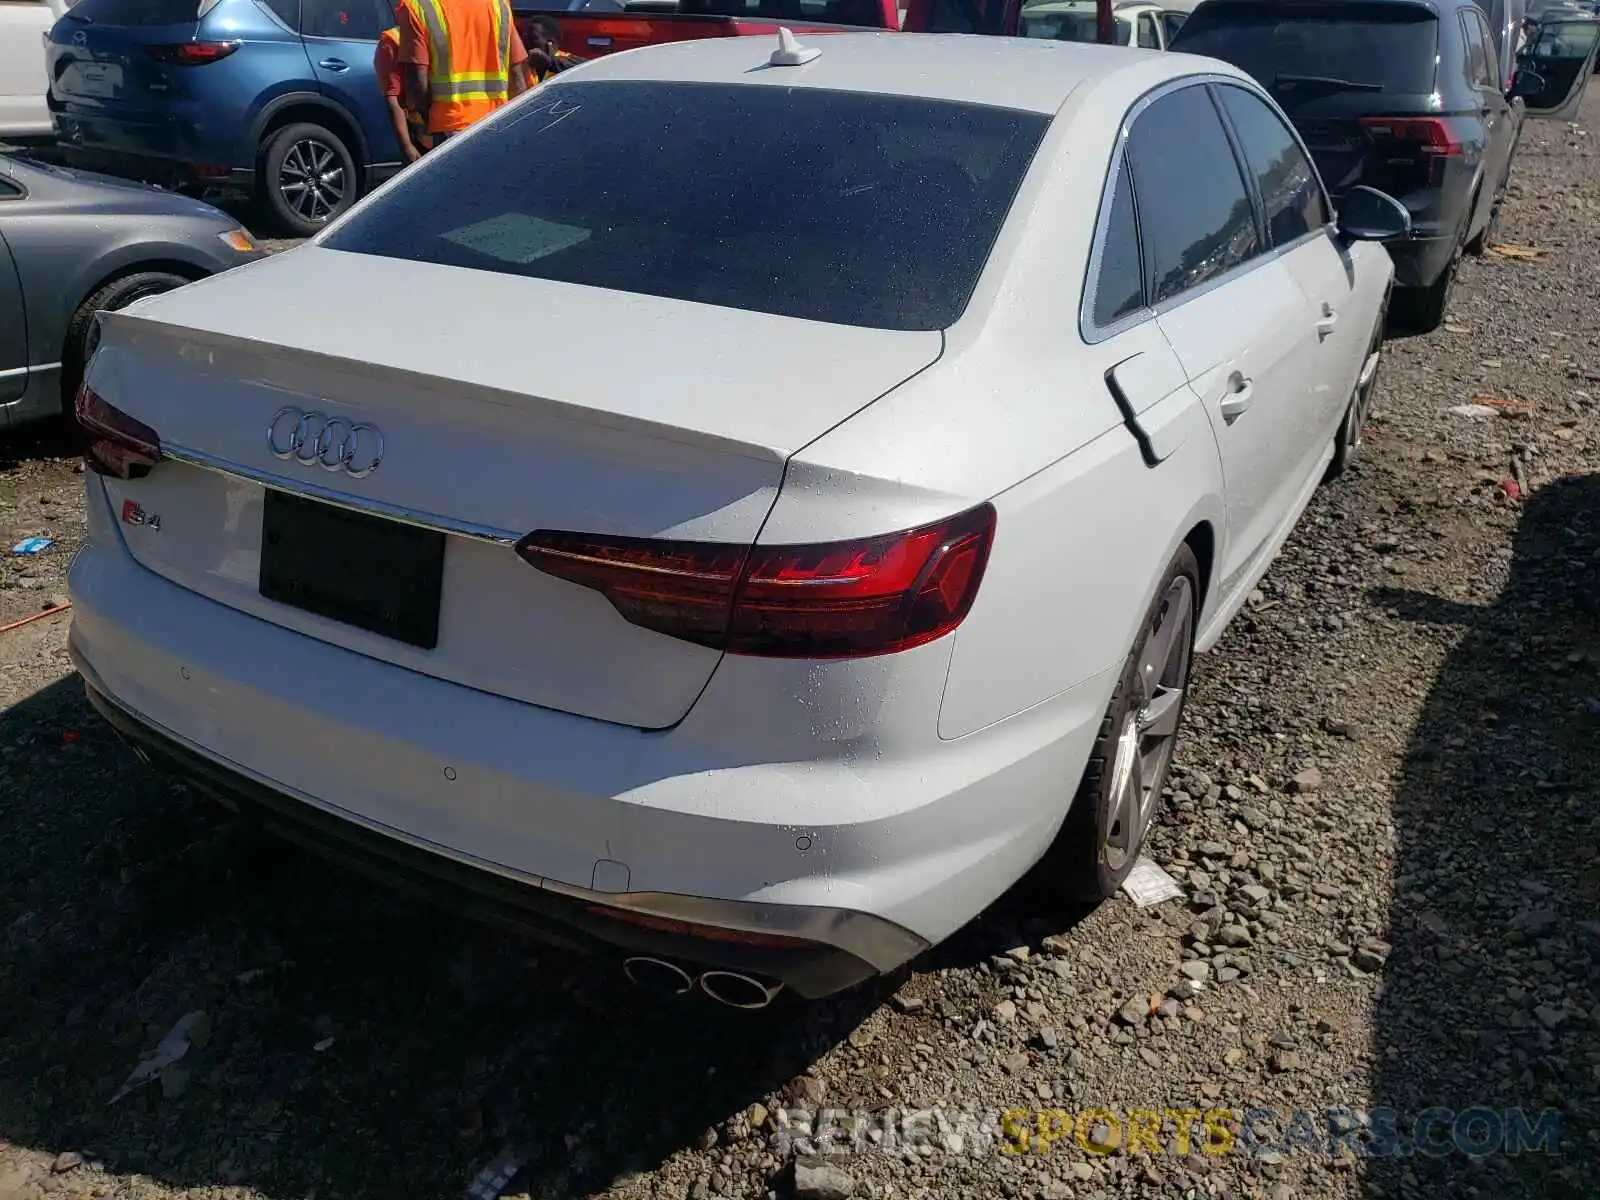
(276, 98)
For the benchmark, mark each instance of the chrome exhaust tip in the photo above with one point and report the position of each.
(739, 991)
(657, 975)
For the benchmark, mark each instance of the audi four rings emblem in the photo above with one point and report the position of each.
(334, 442)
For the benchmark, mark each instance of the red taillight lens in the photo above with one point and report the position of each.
(118, 445)
(1428, 135)
(191, 54)
(832, 600)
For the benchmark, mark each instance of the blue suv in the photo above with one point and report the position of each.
(273, 97)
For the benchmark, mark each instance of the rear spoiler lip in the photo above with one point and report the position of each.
(191, 344)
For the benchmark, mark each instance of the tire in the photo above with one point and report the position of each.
(307, 178)
(1098, 843)
(1348, 440)
(83, 331)
(1422, 309)
(1490, 233)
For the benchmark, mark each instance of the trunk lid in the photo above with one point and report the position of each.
(505, 404)
(100, 53)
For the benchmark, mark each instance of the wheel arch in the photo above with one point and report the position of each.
(70, 367)
(317, 109)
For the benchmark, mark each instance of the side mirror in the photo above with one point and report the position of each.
(1527, 84)
(1368, 215)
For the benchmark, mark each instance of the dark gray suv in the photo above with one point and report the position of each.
(1406, 96)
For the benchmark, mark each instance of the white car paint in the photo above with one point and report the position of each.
(875, 804)
(23, 79)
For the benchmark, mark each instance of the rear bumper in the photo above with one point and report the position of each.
(745, 816)
(149, 168)
(1420, 261)
(565, 917)
(183, 144)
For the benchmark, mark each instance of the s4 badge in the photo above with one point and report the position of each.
(132, 514)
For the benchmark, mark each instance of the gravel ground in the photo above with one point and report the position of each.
(1384, 825)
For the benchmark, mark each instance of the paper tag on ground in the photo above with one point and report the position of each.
(1148, 884)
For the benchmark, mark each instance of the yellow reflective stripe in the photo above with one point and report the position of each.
(502, 20)
(438, 38)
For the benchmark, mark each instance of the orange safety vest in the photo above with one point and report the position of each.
(469, 59)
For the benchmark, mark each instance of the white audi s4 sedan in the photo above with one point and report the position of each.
(736, 511)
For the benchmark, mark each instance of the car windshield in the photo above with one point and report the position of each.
(1388, 47)
(845, 207)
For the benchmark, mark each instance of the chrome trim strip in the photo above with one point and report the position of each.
(875, 940)
(13, 372)
(1094, 334)
(360, 504)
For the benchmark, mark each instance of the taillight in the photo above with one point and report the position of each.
(830, 600)
(118, 445)
(191, 54)
(1427, 138)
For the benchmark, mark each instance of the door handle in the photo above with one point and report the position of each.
(1326, 322)
(334, 64)
(1240, 396)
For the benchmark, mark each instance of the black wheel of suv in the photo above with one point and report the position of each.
(1490, 233)
(1120, 793)
(307, 178)
(83, 331)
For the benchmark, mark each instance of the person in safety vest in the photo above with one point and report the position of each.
(410, 127)
(545, 56)
(463, 59)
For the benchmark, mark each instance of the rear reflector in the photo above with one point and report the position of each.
(118, 445)
(831, 600)
(191, 54)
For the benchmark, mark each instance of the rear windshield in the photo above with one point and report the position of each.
(137, 12)
(1388, 46)
(845, 207)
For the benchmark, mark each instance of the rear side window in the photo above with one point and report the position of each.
(957, 16)
(1118, 289)
(1476, 68)
(352, 20)
(1290, 194)
(287, 11)
(1387, 47)
(845, 207)
(1195, 215)
(138, 12)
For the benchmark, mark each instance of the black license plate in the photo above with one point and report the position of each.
(361, 570)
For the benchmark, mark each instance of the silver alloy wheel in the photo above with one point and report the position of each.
(312, 179)
(1366, 388)
(1150, 729)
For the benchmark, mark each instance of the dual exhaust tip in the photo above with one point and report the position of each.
(725, 987)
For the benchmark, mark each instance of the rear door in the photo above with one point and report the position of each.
(1555, 67)
(1500, 119)
(1231, 311)
(341, 37)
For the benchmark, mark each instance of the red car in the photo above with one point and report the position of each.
(589, 28)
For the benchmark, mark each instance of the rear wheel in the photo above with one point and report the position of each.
(1120, 793)
(307, 178)
(1490, 233)
(1348, 440)
(83, 331)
